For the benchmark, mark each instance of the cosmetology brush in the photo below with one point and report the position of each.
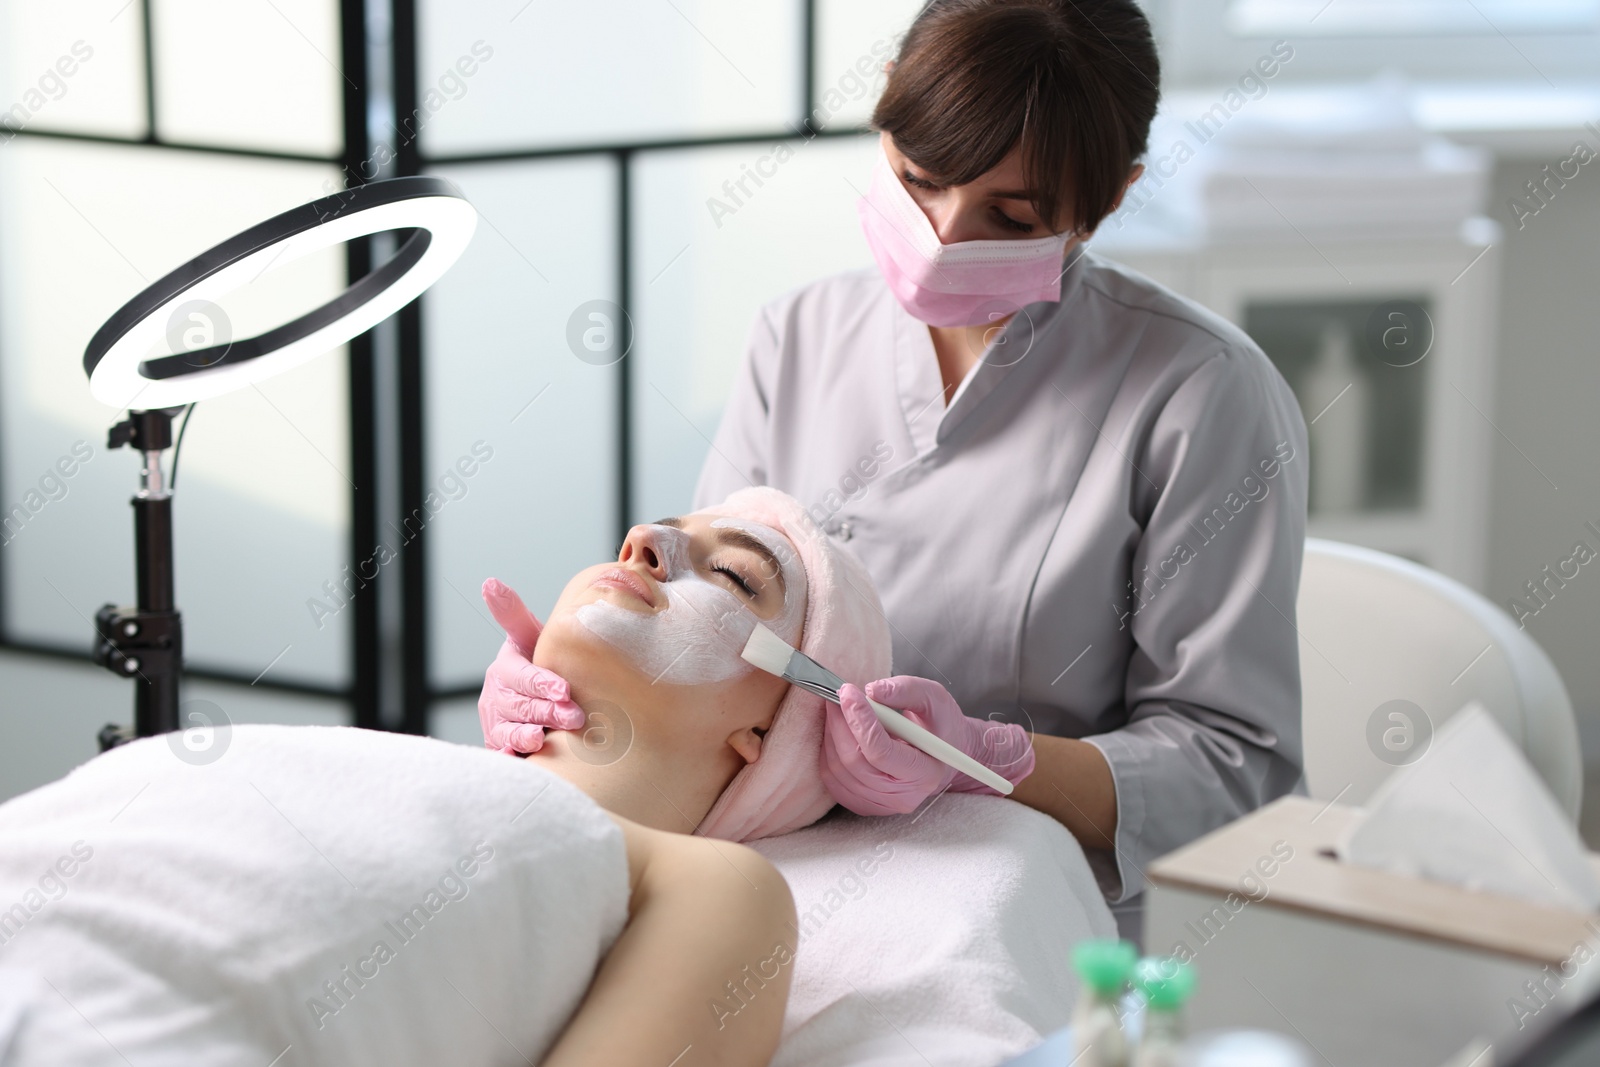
(774, 655)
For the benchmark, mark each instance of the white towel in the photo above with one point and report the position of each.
(231, 912)
(932, 939)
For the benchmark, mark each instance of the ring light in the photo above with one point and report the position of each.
(145, 642)
(121, 374)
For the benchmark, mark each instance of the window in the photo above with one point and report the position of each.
(335, 525)
(134, 137)
(657, 181)
(1378, 18)
(1548, 43)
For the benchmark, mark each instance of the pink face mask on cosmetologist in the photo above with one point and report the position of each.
(952, 284)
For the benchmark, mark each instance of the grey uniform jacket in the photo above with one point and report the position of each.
(1099, 537)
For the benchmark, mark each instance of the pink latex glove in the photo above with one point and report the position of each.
(872, 772)
(519, 700)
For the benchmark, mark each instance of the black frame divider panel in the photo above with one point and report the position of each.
(413, 423)
(149, 71)
(364, 663)
(624, 154)
(624, 470)
(365, 651)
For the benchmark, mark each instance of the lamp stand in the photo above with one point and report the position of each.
(145, 642)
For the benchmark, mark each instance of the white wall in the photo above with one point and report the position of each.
(1549, 384)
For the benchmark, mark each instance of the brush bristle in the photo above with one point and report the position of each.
(768, 651)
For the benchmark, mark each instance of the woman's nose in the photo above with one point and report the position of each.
(644, 546)
(943, 219)
(950, 216)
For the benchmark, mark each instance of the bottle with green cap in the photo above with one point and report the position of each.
(1165, 983)
(1103, 966)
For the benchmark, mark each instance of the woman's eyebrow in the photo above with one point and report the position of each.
(675, 523)
(740, 539)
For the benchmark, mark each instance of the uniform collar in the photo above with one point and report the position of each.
(931, 423)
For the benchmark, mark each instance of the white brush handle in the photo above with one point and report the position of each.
(937, 747)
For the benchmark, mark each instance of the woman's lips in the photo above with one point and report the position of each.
(628, 582)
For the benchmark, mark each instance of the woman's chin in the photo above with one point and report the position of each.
(597, 672)
(569, 648)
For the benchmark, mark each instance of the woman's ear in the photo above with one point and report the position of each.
(747, 742)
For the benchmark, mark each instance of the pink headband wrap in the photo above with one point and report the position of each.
(845, 631)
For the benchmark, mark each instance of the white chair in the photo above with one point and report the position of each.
(1375, 628)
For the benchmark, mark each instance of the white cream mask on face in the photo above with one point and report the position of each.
(789, 621)
(697, 638)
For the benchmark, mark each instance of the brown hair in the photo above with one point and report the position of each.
(1074, 82)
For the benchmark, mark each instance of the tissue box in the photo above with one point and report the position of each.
(1365, 966)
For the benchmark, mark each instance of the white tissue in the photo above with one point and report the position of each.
(1473, 812)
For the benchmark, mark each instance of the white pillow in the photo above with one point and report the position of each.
(313, 895)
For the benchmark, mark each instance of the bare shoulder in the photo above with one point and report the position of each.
(661, 860)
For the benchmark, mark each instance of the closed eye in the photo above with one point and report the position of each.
(1009, 223)
(737, 578)
(1001, 219)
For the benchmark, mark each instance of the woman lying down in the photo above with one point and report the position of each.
(272, 895)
